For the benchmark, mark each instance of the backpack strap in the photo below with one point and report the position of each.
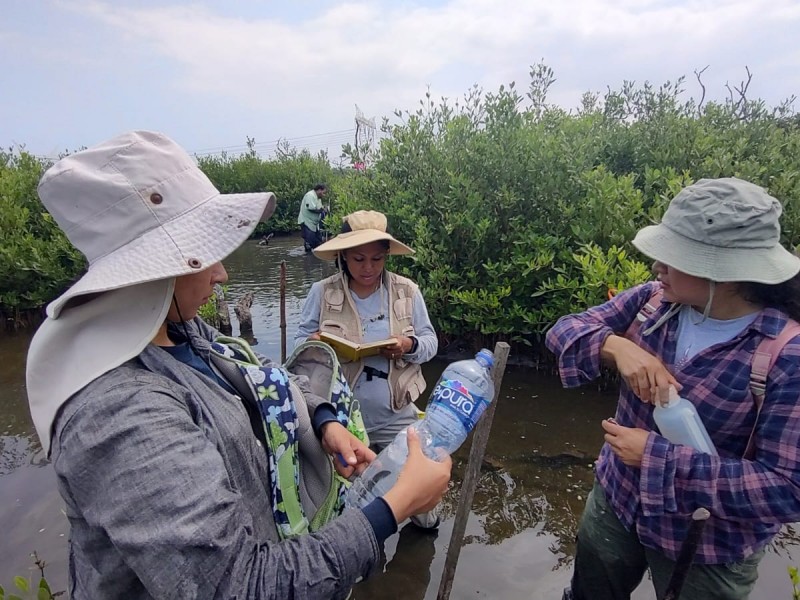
(764, 358)
(648, 310)
(650, 307)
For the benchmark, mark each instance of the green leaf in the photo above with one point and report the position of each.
(22, 583)
(44, 593)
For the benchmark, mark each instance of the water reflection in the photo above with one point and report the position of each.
(519, 540)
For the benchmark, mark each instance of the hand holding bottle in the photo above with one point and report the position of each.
(422, 481)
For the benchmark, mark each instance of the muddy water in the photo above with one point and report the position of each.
(519, 540)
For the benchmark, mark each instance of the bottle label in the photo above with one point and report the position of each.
(453, 395)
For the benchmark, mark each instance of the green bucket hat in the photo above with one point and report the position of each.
(724, 230)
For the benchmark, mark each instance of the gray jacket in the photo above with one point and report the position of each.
(167, 494)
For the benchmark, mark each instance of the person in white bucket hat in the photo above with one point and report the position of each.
(164, 474)
(719, 325)
(365, 302)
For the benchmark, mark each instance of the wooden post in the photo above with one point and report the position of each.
(242, 310)
(223, 312)
(283, 311)
(472, 474)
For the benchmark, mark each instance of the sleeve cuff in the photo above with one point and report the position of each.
(412, 353)
(381, 519)
(656, 491)
(325, 413)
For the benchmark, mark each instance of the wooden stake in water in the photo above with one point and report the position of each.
(479, 441)
(283, 311)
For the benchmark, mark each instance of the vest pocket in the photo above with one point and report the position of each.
(335, 328)
(403, 308)
(409, 386)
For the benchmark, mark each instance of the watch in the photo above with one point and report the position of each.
(414, 344)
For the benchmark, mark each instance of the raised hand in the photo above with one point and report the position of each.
(644, 373)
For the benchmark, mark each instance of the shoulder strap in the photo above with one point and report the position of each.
(648, 310)
(650, 307)
(764, 358)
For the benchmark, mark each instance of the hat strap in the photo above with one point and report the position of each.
(664, 318)
(712, 286)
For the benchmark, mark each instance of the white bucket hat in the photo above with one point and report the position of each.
(139, 209)
(365, 226)
(142, 212)
(722, 230)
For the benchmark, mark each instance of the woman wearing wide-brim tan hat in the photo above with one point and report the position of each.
(718, 326)
(159, 457)
(364, 302)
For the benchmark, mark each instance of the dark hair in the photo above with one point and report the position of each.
(320, 186)
(783, 296)
(340, 262)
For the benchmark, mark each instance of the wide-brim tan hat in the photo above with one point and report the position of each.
(143, 213)
(723, 230)
(140, 209)
(366, 226)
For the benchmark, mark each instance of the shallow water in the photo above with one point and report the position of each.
(519, 539)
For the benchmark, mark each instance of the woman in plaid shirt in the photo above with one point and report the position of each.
(727, 284)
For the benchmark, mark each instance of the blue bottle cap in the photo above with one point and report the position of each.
(485, 358)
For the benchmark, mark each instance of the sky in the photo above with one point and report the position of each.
(212, 74)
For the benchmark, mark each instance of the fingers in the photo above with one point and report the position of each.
(610, 426)
(642, 388)
(412, 438)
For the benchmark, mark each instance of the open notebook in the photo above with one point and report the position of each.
(352, 351)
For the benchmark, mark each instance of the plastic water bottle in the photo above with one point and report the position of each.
(460, 397)
(679, 422)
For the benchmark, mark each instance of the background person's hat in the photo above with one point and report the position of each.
(140, 209)
(723, 230)
(365, 226)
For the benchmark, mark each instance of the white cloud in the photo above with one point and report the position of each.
(365, 51)
(381, 55)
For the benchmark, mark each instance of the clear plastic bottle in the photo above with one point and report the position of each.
(679, 422)
(460, 397)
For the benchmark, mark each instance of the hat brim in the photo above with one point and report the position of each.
(352, 239)
(189, 243)
(760, 265)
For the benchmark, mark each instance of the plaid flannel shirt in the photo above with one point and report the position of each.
(748, 499)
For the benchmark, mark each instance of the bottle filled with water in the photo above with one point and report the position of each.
(460, 397)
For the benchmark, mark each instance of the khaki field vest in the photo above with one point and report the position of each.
(338, 315)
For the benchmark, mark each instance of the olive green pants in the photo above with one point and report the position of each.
(610, 562)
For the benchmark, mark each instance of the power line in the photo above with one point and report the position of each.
(330, 137)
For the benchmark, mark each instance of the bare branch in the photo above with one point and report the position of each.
(699, 74)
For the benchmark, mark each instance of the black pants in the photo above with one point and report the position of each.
(311, 239)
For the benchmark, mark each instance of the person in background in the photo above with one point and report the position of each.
(363, 302)
(310, 217)
(164, 472)
(726, 284)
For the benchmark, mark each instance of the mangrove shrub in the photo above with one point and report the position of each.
(520, 211)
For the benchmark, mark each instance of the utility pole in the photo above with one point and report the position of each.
(364, 137)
